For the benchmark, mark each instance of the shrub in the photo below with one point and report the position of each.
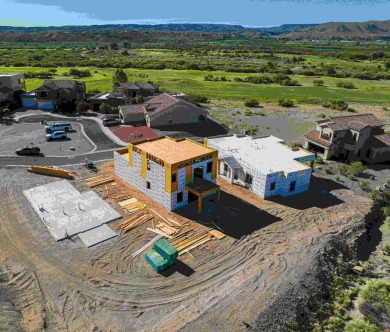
(318, 82)
(197, 98)
(327, 170)
(386, 249)
(319, 161)
(351, 176)
(356, 168)
(248, 112)
(337, 177)
(343, 169)
(105, 108)
(251, 103)
(363, 184)
(346, 85)
(82, 106)
(386, 211)
(360, 326)
(285, 102)
(338, 105)
(321, 115)
(374, 194)
(375, 300)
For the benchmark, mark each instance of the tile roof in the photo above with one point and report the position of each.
(159, 103)
(162, 102)
(314, 136)
(131, 109)
(59, 84)
(384, 138)
(363, 119)
(137, 86)
(4, 89)
(337, 126)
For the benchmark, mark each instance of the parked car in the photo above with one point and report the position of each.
(110, 122)
(58, 127)
(56, 135)
(28, 150)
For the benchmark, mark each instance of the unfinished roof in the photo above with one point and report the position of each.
(107, 95)
(172, 151)
(265, 154)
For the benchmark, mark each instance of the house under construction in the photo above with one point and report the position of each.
(265, 165)
(172, 172)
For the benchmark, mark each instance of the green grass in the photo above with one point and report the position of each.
(192, 81)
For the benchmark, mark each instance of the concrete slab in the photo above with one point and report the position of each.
(97, 235)
(66, 212)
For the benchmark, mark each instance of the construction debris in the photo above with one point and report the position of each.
(100, 182)
(219, 235)
(134, 254)
(136, 220)
(50, 170)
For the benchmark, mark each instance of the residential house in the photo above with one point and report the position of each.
(357, 137)
(10, 84)
(172, 172)
(112, 99)
(133, 89)
(265, 165)
(132, 114)
(54, 92)
(165, 109)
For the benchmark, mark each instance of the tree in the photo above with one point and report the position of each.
(138, 99)
(387, 64)
(82, 106)
(105, 108)
(114, 46)
(120, 76)
(346, 85)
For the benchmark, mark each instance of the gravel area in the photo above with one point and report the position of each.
(19, 135)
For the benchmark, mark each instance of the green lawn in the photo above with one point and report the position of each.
(192, 82)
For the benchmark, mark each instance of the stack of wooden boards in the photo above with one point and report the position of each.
(50, 170)
(162, 256)
(138, 212)
(99, 180)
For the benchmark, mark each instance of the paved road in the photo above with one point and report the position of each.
(104, 151)
(92, 129)
(55, 161)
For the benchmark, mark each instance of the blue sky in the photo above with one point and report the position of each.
(243, 12)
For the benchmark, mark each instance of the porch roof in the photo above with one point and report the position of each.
(314, 136)
(232, 162)
(201, 187)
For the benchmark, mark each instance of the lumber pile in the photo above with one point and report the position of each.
(133, 222)
(50, 170)
(100, 181)
(185, 244)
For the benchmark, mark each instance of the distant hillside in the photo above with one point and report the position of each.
(346, 30)
(185, 27)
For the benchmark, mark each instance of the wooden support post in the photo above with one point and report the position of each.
(219, 194)
(200, 204)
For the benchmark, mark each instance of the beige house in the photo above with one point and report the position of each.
(358, 137)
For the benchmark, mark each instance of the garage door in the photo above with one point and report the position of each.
(46, 105)
(29, 102)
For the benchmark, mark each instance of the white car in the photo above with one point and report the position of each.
(56, 135)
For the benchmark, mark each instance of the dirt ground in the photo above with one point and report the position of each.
(64, 286)
(18, 135)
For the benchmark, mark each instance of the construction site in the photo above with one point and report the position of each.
(131, 262)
